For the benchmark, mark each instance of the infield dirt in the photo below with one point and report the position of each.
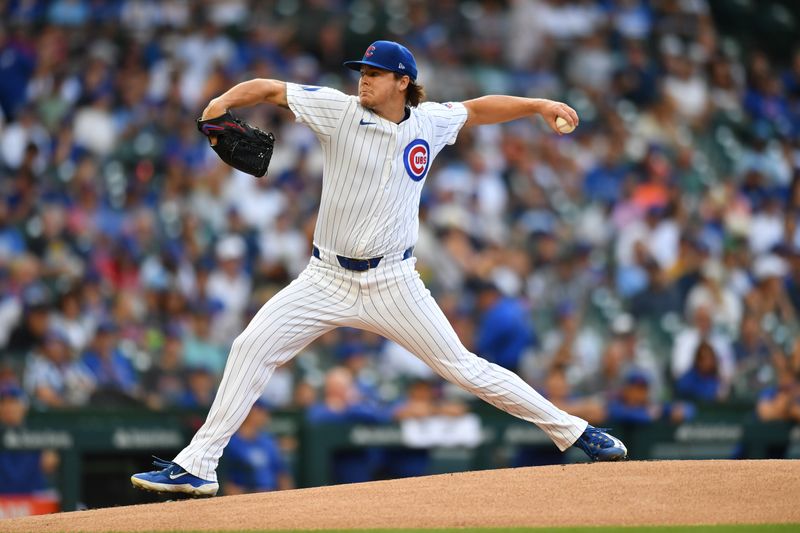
(629, 493)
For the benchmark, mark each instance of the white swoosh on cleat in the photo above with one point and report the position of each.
(176, 476)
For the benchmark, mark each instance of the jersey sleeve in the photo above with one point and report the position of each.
(448, 119)
(320, 108)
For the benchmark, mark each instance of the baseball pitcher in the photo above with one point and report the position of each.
(378, 148)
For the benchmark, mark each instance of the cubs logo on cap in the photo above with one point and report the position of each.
(387, 55)
(416, 158)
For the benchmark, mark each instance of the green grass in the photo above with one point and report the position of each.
(756, 528)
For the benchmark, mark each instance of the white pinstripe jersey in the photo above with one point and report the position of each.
(374, 169)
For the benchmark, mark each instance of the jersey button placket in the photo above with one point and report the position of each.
(388, 170)
(390, 160)
(389, 175)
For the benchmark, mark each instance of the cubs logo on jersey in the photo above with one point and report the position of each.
(416, 158)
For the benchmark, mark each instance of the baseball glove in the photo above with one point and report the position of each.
(239, 144)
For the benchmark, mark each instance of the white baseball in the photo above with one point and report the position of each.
(564, 126)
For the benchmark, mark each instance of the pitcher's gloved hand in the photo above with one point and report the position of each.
(239, 144)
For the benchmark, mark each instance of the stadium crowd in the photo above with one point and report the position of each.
(641, 266)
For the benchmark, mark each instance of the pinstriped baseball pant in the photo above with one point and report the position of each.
(390, 300)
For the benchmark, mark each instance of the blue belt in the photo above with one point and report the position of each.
(360, 265)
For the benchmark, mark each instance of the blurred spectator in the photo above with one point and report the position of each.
(199, 349)
(713, 294)
(572, 344)
(767, 225)
(114, 375)
(200, 388)
(164, 383)
(615, 361)
(633, 403)
(12, 241)
(632, 277)
(633, 352)
(562, 274)
(23, 138)
(284, 249)
(782, 401)
(792, 282)
(230, 285)
(253, 460)
(94, 127)
(592, 65)
(287, 387)
(657, 232)
(688, 341)
(753, 351)
(687, 89)
(768, 297)
(30, 331)
(10, 310)
(341, 404)
(54, 377)
(19, 52)
(22, 471)
(426, 420)
(557, 389)
(357, 358)
(70, 319)
(686, 272)
(703, 382)
(636, 79)
(659, 298)
(169, 268)
(604, 182)
(504, 330)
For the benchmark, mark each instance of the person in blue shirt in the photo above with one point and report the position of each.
(782, 400)
(633, 403)
(342, 404)
(12, 240)
(254, 462)
(703, 381)
(21, 471)
(16, 69)
(114, 373)
(200, 385)
(603, 182)
(505, 330)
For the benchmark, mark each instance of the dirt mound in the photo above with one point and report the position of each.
(631, 493)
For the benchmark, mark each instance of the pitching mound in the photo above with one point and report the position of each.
(632, 493)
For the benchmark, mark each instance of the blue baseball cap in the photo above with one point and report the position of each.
(11, 390)
(387, 55)
(637, 376)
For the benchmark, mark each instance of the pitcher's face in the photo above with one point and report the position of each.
(377, 86)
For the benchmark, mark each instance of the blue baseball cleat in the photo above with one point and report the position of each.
(601, 446)
(173, 478)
